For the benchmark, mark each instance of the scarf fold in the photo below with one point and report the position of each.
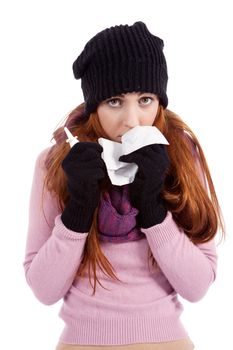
(117, 218)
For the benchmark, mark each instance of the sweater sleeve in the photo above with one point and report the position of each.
(53, 252)
(190, 268)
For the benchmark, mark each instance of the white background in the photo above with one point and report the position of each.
(39, 42)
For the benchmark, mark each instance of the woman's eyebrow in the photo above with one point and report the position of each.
(138, 93)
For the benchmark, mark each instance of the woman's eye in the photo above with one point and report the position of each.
(116, 102)
(113, 102)
(146, 100)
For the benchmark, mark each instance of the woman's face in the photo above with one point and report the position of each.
(119, 114)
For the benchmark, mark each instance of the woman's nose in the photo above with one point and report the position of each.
(131, 117)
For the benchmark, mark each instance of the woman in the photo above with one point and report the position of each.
(119, 256)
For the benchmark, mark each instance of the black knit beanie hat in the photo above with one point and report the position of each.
(121, 59)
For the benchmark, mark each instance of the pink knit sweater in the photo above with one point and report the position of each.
(144, 306)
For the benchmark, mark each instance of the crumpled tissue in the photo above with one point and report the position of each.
(121, 173)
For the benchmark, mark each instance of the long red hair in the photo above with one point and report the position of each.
(193, 204)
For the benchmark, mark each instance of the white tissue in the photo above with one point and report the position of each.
(121, 173)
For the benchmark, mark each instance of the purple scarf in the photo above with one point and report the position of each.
(117, 217)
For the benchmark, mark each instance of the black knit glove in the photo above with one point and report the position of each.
(84, 169)
(152, 162)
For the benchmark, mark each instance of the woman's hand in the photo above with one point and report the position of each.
(84, 169)
(153, 163)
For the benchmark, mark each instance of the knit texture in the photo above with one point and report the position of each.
(84, 169)
(121, 59)
(144, 307)
(117, 217)
(145, 191)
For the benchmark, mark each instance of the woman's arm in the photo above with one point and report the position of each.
(190, 268)
(53, 252)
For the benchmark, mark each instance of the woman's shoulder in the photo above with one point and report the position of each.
(42, 157)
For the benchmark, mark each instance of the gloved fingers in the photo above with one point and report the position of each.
(82, 151)
(150, 151)
(86, 176)
(75, 166)
(83, 146)
(134, 157)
